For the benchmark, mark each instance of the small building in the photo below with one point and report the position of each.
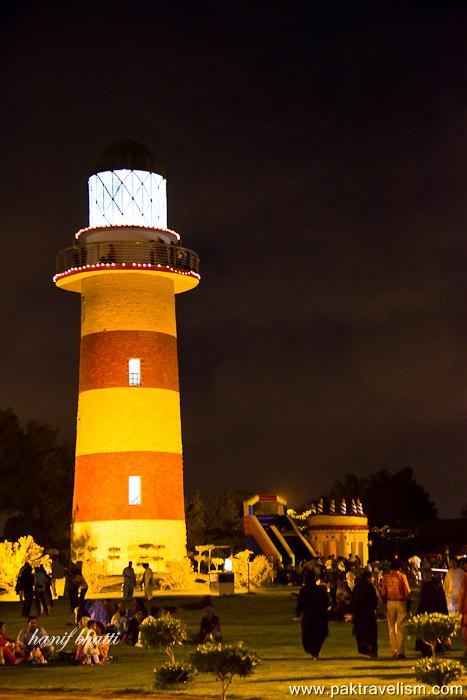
(341, 533)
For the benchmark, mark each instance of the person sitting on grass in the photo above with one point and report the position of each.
(33, 642)
(91, 646)
(131, 637)
(87, 650)
(138, 604)
(98, 612)
(154, 613)
(102, 642)
(119, 621)
(210, 628)
(8, 649)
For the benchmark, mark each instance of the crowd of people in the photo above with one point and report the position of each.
(98, 623)
(343, 590)
(334, 589)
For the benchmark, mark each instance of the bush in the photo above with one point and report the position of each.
(258, 570)
(95, 572)
(172, 674)
(432, 628)
(13, 555)
(438, 671)
(224, 661)
(179, 576)
(165, 631)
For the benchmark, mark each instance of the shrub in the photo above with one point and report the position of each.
(179, 575)
(165, 631)
(439, 672)
(432, 628)
(224, 661)
(172, 674)
(13, 555)
(95, 572)
(258, 570)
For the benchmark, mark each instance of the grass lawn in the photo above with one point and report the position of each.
(262, 620)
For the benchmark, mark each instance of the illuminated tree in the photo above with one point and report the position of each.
(179, 575)
(13, 555)
(253, 573)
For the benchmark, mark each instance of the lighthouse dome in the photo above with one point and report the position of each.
(127, 187)
(127, 155)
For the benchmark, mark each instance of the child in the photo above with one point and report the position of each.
(88, 651)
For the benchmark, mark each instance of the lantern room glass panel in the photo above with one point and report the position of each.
(127, 198)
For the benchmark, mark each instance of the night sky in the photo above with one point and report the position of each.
(316, 162)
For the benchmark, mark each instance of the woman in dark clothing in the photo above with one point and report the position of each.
(25, 587)
(72, 586)
(312, 608)
(432, 600)
(364, 604)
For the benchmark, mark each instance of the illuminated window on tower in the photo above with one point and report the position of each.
(134, 372)
(134, 490)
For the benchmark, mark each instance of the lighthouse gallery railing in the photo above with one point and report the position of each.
(128, 252)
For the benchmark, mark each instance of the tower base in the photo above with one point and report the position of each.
(139, 541)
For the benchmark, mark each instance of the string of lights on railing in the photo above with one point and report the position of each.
(92, 266)
(126, 226)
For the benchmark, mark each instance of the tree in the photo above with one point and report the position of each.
(179, 575)
(252, 573)
(352, 486)
(397, 500)
(166, 631)
(393, 499)
(224, 518)
(13, 555)
(432, 628)
(439, 672)
(224, 661)
(38, 491)
(220, 521)
(195, 514)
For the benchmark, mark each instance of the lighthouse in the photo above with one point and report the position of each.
(127, 267)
